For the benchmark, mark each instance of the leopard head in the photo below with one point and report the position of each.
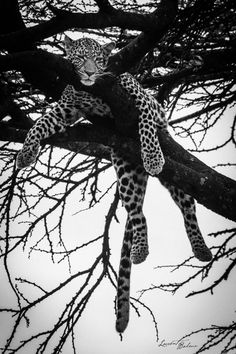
(88, 57)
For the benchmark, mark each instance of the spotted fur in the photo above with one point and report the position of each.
(123, 284)
(132, 182)
(187, 207)
(90, 59)
(151, 117)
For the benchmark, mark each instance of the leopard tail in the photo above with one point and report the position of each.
(123, 286)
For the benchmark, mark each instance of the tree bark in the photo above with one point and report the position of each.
(210, 188)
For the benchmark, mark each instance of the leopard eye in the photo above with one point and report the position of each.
(100, 62)
(77, 60)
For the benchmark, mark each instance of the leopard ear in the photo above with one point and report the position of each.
(67, 43)
(107, 48)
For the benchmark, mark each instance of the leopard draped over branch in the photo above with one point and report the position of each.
(90, 59)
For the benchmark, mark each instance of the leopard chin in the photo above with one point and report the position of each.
(87, 82)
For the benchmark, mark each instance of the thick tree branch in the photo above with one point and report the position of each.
(132, 53)
(45, 71)
(66, 20)
(10, 10)
(105, 6)
(11, 22)
(9, 107)
(181, 168)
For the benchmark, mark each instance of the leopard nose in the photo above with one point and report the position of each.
(89, 67)
(89, 73)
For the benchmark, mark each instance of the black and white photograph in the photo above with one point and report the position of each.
(117, 176)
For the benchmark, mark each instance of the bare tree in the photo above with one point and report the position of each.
(185, 55)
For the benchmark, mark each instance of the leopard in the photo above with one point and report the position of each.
(90, 59)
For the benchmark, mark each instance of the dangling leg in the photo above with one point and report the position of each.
(72, 105)
(151, 117)
(187, 206)
(132, 181)
(123, 284)
(56, 120)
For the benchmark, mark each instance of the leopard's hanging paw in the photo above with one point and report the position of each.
(139, 255)
(201, 251)
(153, 161)
(27, 155)
(139, 250)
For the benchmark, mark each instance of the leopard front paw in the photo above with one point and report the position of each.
(27, 156)
(153, 162)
